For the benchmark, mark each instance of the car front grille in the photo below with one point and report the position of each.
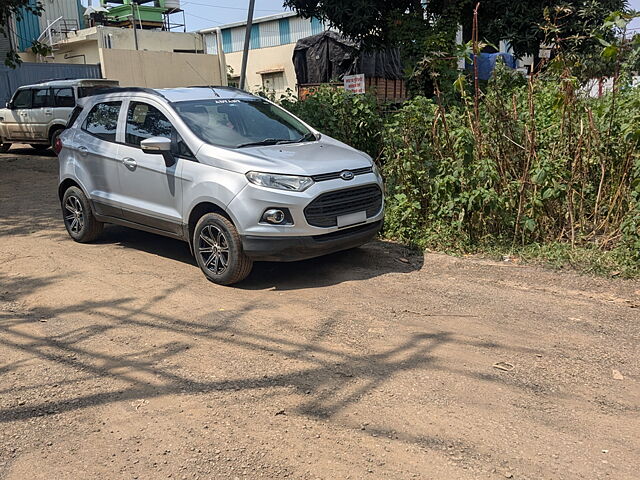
(335, 175)
(325, 209)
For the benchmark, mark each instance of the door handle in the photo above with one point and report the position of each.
(130, 163)
(48, 111)
(83, 151)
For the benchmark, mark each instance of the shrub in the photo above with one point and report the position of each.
(353, 119)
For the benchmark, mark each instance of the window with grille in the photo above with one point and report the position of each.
(273, 81)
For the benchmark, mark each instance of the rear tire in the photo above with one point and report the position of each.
(218, 250)
(53, 137)
(40, 147)
(4, 147)
(78, 218)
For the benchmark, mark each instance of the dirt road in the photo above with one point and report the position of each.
(118, 360)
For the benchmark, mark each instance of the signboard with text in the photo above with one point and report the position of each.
(354, 83)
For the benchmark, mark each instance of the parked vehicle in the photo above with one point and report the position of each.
(36, 114)
(235, 175)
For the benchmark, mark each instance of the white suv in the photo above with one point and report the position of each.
(36, 114)
(235, 175)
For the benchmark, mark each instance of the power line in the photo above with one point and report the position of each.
(229, 8)
(202, 18)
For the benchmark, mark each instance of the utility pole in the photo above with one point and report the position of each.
(247, 38)
(133, 24)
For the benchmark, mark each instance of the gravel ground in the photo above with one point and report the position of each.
(118, 360)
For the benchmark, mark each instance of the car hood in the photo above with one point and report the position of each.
(306, 158)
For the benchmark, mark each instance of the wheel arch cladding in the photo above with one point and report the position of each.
(65, 184)
(201, 209)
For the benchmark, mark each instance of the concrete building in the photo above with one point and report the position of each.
(145, 58)
(273, 39)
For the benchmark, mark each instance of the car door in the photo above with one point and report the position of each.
(97, 160)
(150, 185)
(17, 119)
(64, 102)
(40, 114)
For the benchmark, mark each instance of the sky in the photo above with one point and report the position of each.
(201, 14)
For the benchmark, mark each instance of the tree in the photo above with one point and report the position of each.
(18, 9)
(523, 23)
(427, 31)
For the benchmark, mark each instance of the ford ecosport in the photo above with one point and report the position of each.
(234, 175)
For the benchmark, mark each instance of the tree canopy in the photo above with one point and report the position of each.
(418, 28)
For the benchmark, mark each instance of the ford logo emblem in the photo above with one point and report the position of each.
(346, 175)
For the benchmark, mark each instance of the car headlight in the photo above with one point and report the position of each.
(376, 170)
(281, 182)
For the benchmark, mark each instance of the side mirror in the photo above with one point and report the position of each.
(9, 106)
(156, 145)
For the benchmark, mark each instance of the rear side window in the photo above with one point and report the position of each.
(102, 120)
(74, 116)
(145, 121)
(63, 97)
(22, 99)
(42, 98)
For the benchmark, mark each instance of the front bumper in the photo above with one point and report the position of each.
(293, 248)
(247, 207)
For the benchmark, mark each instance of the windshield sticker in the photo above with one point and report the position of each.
(225, 100)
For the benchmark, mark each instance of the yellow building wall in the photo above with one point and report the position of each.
(265, 59)
(159, 69)
(162, 41)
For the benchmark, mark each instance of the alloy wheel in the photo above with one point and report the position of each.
(74, 214)
(213, 249)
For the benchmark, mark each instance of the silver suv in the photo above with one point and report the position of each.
(36, 114)
(235, 175)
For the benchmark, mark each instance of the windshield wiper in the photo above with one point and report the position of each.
(266, 141)
(307, 137)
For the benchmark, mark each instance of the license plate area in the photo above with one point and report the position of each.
(352, 219)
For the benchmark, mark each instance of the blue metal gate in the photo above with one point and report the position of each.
(30, 73)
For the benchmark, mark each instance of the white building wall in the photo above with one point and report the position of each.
(269, 34)
(237, 38)
(299, 28)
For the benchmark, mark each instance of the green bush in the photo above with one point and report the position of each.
(353, 119)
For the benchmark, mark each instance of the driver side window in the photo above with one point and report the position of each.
(145, 121)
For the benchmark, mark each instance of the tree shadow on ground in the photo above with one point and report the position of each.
(326, 380)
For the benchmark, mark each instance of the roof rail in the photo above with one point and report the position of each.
(46, 80)
(223, 87)
(105, 91)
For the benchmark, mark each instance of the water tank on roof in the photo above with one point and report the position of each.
(172, 4)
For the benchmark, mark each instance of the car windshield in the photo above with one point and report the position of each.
(241, 123)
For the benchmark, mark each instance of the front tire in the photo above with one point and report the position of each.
(79, 221)
(218, 250)
(4, 147)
